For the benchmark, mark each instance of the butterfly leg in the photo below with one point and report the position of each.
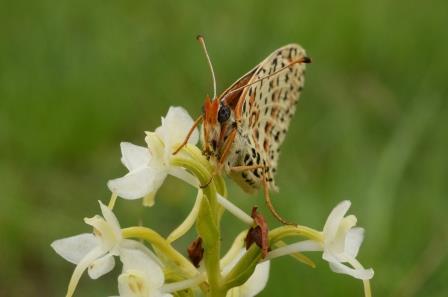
(195, 124)
(227, 146)
(267, 196)
(267, 199)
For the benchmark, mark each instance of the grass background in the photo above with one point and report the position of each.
(78, 77)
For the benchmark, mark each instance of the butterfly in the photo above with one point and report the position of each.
(244, 127)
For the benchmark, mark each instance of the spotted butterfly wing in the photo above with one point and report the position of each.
(262, 113)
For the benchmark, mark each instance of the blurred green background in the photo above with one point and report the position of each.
(78, 77)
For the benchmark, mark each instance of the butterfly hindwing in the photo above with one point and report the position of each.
(263, 113)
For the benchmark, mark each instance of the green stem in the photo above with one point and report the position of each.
(162, 244)
(208, 222)
(202, 173)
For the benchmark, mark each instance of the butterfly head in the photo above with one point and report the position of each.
(215, 115)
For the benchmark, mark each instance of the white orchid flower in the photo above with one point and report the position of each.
(142, 275)
(148, 167)
(342, 242)
(256, 282)
(94, 252)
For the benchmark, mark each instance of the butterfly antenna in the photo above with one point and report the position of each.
(201, 40)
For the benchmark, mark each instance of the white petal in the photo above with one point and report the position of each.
(111, 219)
(175, 127)
(353, 241)
(363, 274)
(257, 282)
(335, 218)
(101, 266)
(134, 156)
(329, 256)
(137, 184)
(136, 245)
(149, 199)
(74, 248)
(137, 260)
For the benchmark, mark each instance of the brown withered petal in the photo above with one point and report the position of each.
(259, 233)
(195, 251)
(253, 236)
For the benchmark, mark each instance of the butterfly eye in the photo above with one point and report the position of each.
(223, 113)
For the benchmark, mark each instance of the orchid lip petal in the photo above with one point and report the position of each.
(81, 267)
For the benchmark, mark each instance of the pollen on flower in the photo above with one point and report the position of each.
(97, 232)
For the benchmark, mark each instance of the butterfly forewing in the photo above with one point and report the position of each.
(263, 112)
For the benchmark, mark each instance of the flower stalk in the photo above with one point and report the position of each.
(162, 245)
(208, 222)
